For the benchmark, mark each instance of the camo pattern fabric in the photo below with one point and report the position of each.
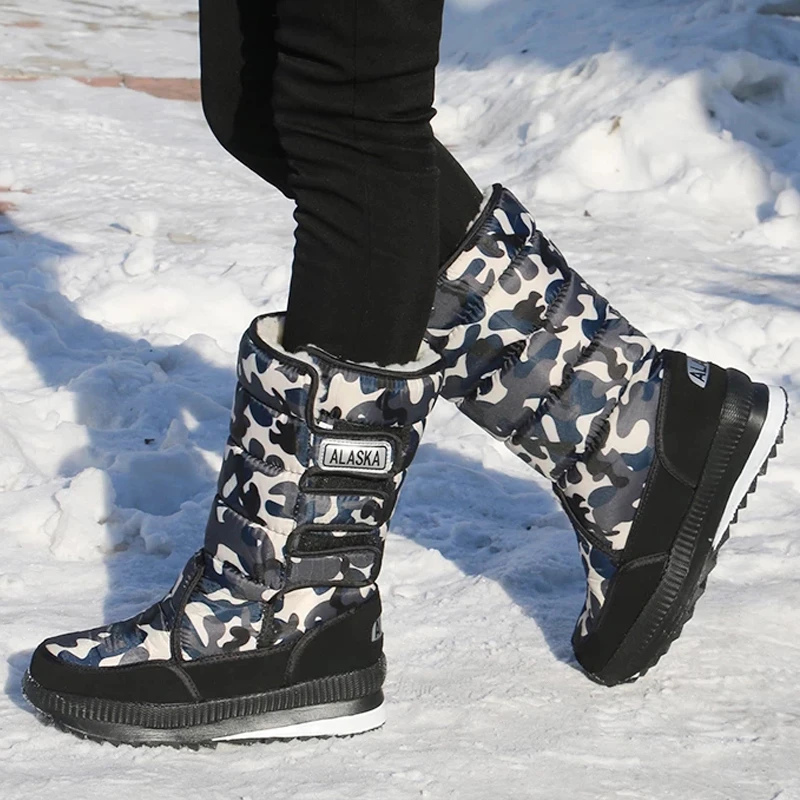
(251, 548)
(145, 637)
(536, 357)
(312, 387)
(223, 614)
(358, 568)
(271, 497)
(253, 585)
(289, 445)
(298, 612)
(285, 405)
(270, 485)
(600, 569)
(603, 488)
(542, 362)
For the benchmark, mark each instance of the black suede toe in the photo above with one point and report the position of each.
(631, 589)
(147, 682)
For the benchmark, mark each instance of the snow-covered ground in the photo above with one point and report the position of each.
(658, 142)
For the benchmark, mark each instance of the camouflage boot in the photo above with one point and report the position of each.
(273, 628)
(650, 453)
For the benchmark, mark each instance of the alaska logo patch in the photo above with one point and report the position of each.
(363, 457)
(698, 371)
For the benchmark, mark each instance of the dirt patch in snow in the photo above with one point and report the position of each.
(165, 88)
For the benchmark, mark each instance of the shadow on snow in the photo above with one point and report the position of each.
(507, 529)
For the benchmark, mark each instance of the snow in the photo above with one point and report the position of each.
(659, 145)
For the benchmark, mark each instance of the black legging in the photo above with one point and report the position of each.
(330, 101)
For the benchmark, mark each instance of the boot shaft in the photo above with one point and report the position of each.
(316, 457)
(318, 450)
(540, 360)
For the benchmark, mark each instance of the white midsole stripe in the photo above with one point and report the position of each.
(776, 413)
(338, 726)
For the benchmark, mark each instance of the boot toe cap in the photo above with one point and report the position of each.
(143, 682)
(628, 592)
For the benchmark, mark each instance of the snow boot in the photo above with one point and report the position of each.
(273, 628)
(650, 453)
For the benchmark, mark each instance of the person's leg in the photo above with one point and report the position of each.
(237, 59)
(460, 201)
(352, 100)
(239, 54)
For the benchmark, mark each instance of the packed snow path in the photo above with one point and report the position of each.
(658, 143)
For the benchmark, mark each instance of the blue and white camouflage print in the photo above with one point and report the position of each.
(542, 362)
(145, 637)
(599, 569)
(224, 613)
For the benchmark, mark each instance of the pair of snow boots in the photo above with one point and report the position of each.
(273, 629)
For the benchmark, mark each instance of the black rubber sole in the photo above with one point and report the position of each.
(693, 556)
(310, 708)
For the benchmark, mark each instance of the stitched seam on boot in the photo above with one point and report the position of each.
(596, 439)
(261, 521)
(266, 350)
(558, 300)
(474, 302)
(267, 633)
(557, 392)
(175, 640)
(554, 393)
(601, 544)
(221, 500)
(612, 591)
(522, 344)
(309, 635)
(262, 466)
(183, 676)
(513, 353)
(661, 422)
(648, 489)
(273, 412)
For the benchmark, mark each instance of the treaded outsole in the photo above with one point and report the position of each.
(711, 561)
(194, 746)
(210, 720)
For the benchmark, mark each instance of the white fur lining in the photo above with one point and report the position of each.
(270, 329)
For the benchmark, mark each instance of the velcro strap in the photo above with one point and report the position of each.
(354, 568)
(342, 510)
